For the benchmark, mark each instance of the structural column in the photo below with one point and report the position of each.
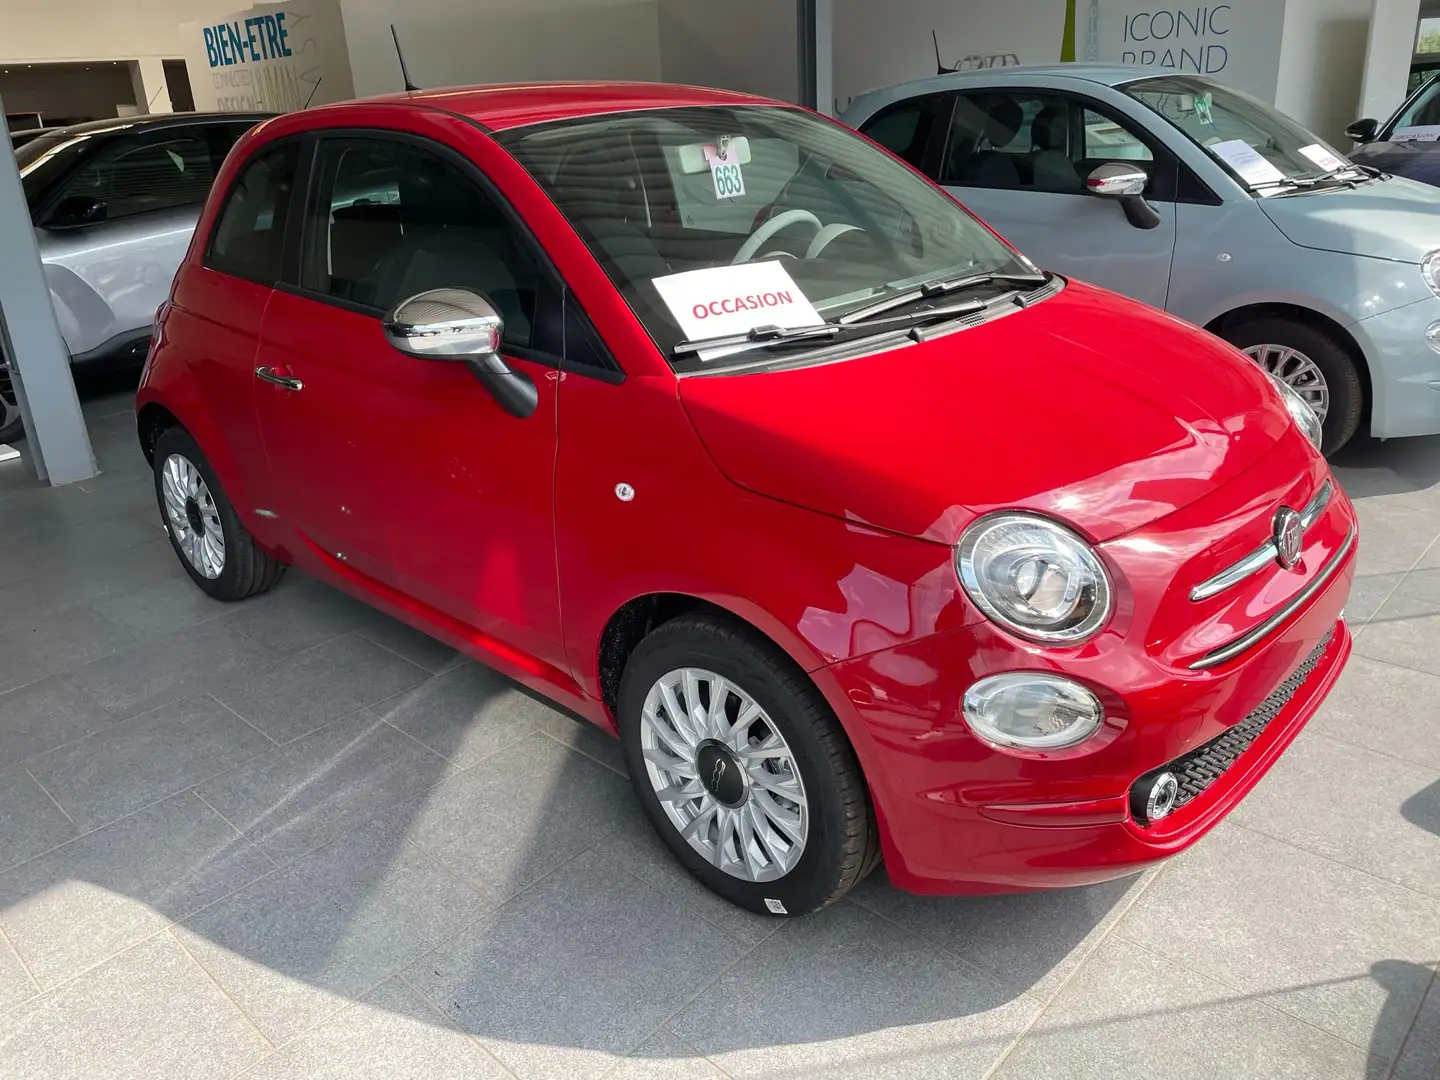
(814, 60)
(59, 445)
(152, 94)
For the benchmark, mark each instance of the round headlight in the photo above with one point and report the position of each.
(1034, 577)
(1299, 410)
(1430, 271)
(1031, 711)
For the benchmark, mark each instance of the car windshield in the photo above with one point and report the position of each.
(768, 204)
(1263, 149)
(1419, 120)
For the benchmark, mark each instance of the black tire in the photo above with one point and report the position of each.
(843, 843)
(247, 570)
(12, 426)
(1331, 356)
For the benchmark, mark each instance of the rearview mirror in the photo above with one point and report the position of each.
(1363, 130)
(458, 324)
(1125, 183)
(77, 211)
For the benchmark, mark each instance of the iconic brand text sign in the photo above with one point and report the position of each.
(1176, 38)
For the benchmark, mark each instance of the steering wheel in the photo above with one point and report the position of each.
(780, 221)
(821, 240)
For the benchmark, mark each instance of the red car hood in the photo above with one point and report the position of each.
(1088, 407)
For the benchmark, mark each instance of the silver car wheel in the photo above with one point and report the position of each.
(1293, 367)
(9, 403)
(192, 516)
(725, 776)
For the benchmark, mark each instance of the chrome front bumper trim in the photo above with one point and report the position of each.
(1265, 554)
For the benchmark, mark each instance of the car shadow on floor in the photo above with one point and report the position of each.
(1390, 467)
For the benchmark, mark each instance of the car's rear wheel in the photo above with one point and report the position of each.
(213, 545)
(11, 426)
(743, 769)
(1315, 364)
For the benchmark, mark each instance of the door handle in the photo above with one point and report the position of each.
(269, 375)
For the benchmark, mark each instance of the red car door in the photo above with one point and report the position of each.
(407, 469)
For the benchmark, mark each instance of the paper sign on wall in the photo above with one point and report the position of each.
(1246, 161)
(1322, 157)
(726, 300)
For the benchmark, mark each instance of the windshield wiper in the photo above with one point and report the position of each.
(767, 337)
(931, 289)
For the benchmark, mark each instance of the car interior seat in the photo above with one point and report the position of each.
(1050, 163)
(984, 164)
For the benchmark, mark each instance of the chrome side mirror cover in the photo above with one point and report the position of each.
(1115, 181)
(459, 324)
(445, 324)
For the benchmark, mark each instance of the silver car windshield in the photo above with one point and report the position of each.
(1263, 149)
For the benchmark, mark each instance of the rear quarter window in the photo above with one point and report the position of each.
(248, 239)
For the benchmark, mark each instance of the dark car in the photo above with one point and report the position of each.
(1407, 144)
(114, 203)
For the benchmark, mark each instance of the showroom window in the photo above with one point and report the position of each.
(133, 177)
(389, 220)
(1033, 142)
(249, 236)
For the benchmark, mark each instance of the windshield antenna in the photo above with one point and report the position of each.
(940, 68)
(399, 55)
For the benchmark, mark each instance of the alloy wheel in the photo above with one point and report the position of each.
(193, 517)
(725, 776)
(9, 404)
(1294, 368)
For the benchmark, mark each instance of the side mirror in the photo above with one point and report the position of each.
(1127, 184)
(1363, 130)
(457, 324)
(77, 211)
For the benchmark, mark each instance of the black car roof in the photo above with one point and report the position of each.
(161, 120)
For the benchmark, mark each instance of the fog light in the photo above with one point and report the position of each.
(1432, 335)
(1155, 800)
(1031, 711)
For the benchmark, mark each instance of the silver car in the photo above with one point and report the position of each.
(1208, 203)
(114, 203)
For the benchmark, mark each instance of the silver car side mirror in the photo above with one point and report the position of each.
(458, 324)
(1125, 183)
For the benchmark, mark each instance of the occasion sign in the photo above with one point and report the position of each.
(271, 58)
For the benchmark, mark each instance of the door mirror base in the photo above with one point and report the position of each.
(1139, 212)
(460, 324)
(1363, 131)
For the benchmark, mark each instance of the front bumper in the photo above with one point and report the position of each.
(960, 816)
(1404, 370)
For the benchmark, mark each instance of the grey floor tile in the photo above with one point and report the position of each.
(112, 574)
(1131, 1015)
(1404, 632)
(74, 906)
(161, 609)
(1390, 709)
(129, 765)
(60, 641)
(1367, 593)
(561, 979)
(390, 1035)
(30, 822)
(845, 993)
(16, 985)
(1420, 1058)
(665, 1057)
(309, 791)
(150, 1014)
(634, 846)
(165, 669)
(517, 815)
(1030, 942)
(417, 647)
(465, 714)
(303, 942)
(52, 547)
(1295, 930)
(1394, 533)
(585, 737)
(319, 685)
(44, 715)
(1364, 827)
(304, 614)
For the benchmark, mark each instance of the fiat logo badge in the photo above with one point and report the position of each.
(1289, 537)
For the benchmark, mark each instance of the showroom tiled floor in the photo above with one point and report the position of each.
(295, 839)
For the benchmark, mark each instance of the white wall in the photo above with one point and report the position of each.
(455, 42)
(1321, 60)
(38, 30)
(1391, 40)
(746, 45)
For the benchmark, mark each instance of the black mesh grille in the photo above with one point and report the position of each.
(1202, 766)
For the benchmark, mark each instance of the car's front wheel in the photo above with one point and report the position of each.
(214, 546)
(743, 769)
(1318, 367)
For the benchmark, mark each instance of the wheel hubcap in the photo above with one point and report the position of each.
(724, 775)
(192, 517)
(1294, 368)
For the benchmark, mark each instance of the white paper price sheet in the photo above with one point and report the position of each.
(1246, 161)
(725, 300)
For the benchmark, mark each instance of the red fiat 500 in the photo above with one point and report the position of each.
(727, 431)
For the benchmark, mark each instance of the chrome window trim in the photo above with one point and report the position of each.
(1265, 554)
(1234, 648)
